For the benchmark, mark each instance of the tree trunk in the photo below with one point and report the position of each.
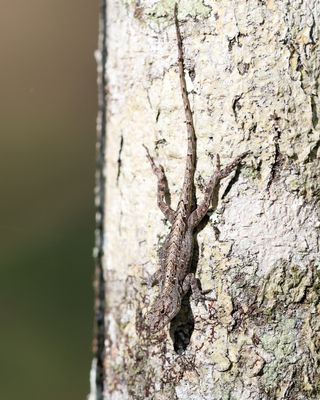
(252, 71)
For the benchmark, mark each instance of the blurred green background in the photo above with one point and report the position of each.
(47, 126)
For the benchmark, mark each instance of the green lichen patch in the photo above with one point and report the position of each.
(285, 327)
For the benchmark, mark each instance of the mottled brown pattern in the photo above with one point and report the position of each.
(174, 275)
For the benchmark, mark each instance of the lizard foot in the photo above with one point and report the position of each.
(154, 279)
(203, 299)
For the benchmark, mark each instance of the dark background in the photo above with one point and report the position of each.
(47, 127)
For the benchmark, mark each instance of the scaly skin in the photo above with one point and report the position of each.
(174, 275)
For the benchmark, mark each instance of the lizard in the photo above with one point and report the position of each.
(174, 276)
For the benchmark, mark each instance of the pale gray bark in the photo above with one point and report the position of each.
(253, 76)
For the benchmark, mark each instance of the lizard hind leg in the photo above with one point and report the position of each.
(198, 214)
(163, 188)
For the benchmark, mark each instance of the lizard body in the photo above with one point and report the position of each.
(174, 276)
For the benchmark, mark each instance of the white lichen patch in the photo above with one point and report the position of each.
(276, 228)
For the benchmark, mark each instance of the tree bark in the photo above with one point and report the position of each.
(253, 79)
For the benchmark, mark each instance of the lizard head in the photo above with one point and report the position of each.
(162, 312)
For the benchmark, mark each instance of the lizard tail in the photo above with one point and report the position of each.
(191, 152)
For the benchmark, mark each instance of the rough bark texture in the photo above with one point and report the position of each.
(253, 68)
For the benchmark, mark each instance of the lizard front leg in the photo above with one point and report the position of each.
(155, 278)
(163, 188)
(191, 282)
(198, 214)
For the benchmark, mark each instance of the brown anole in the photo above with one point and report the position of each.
(174, 276)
